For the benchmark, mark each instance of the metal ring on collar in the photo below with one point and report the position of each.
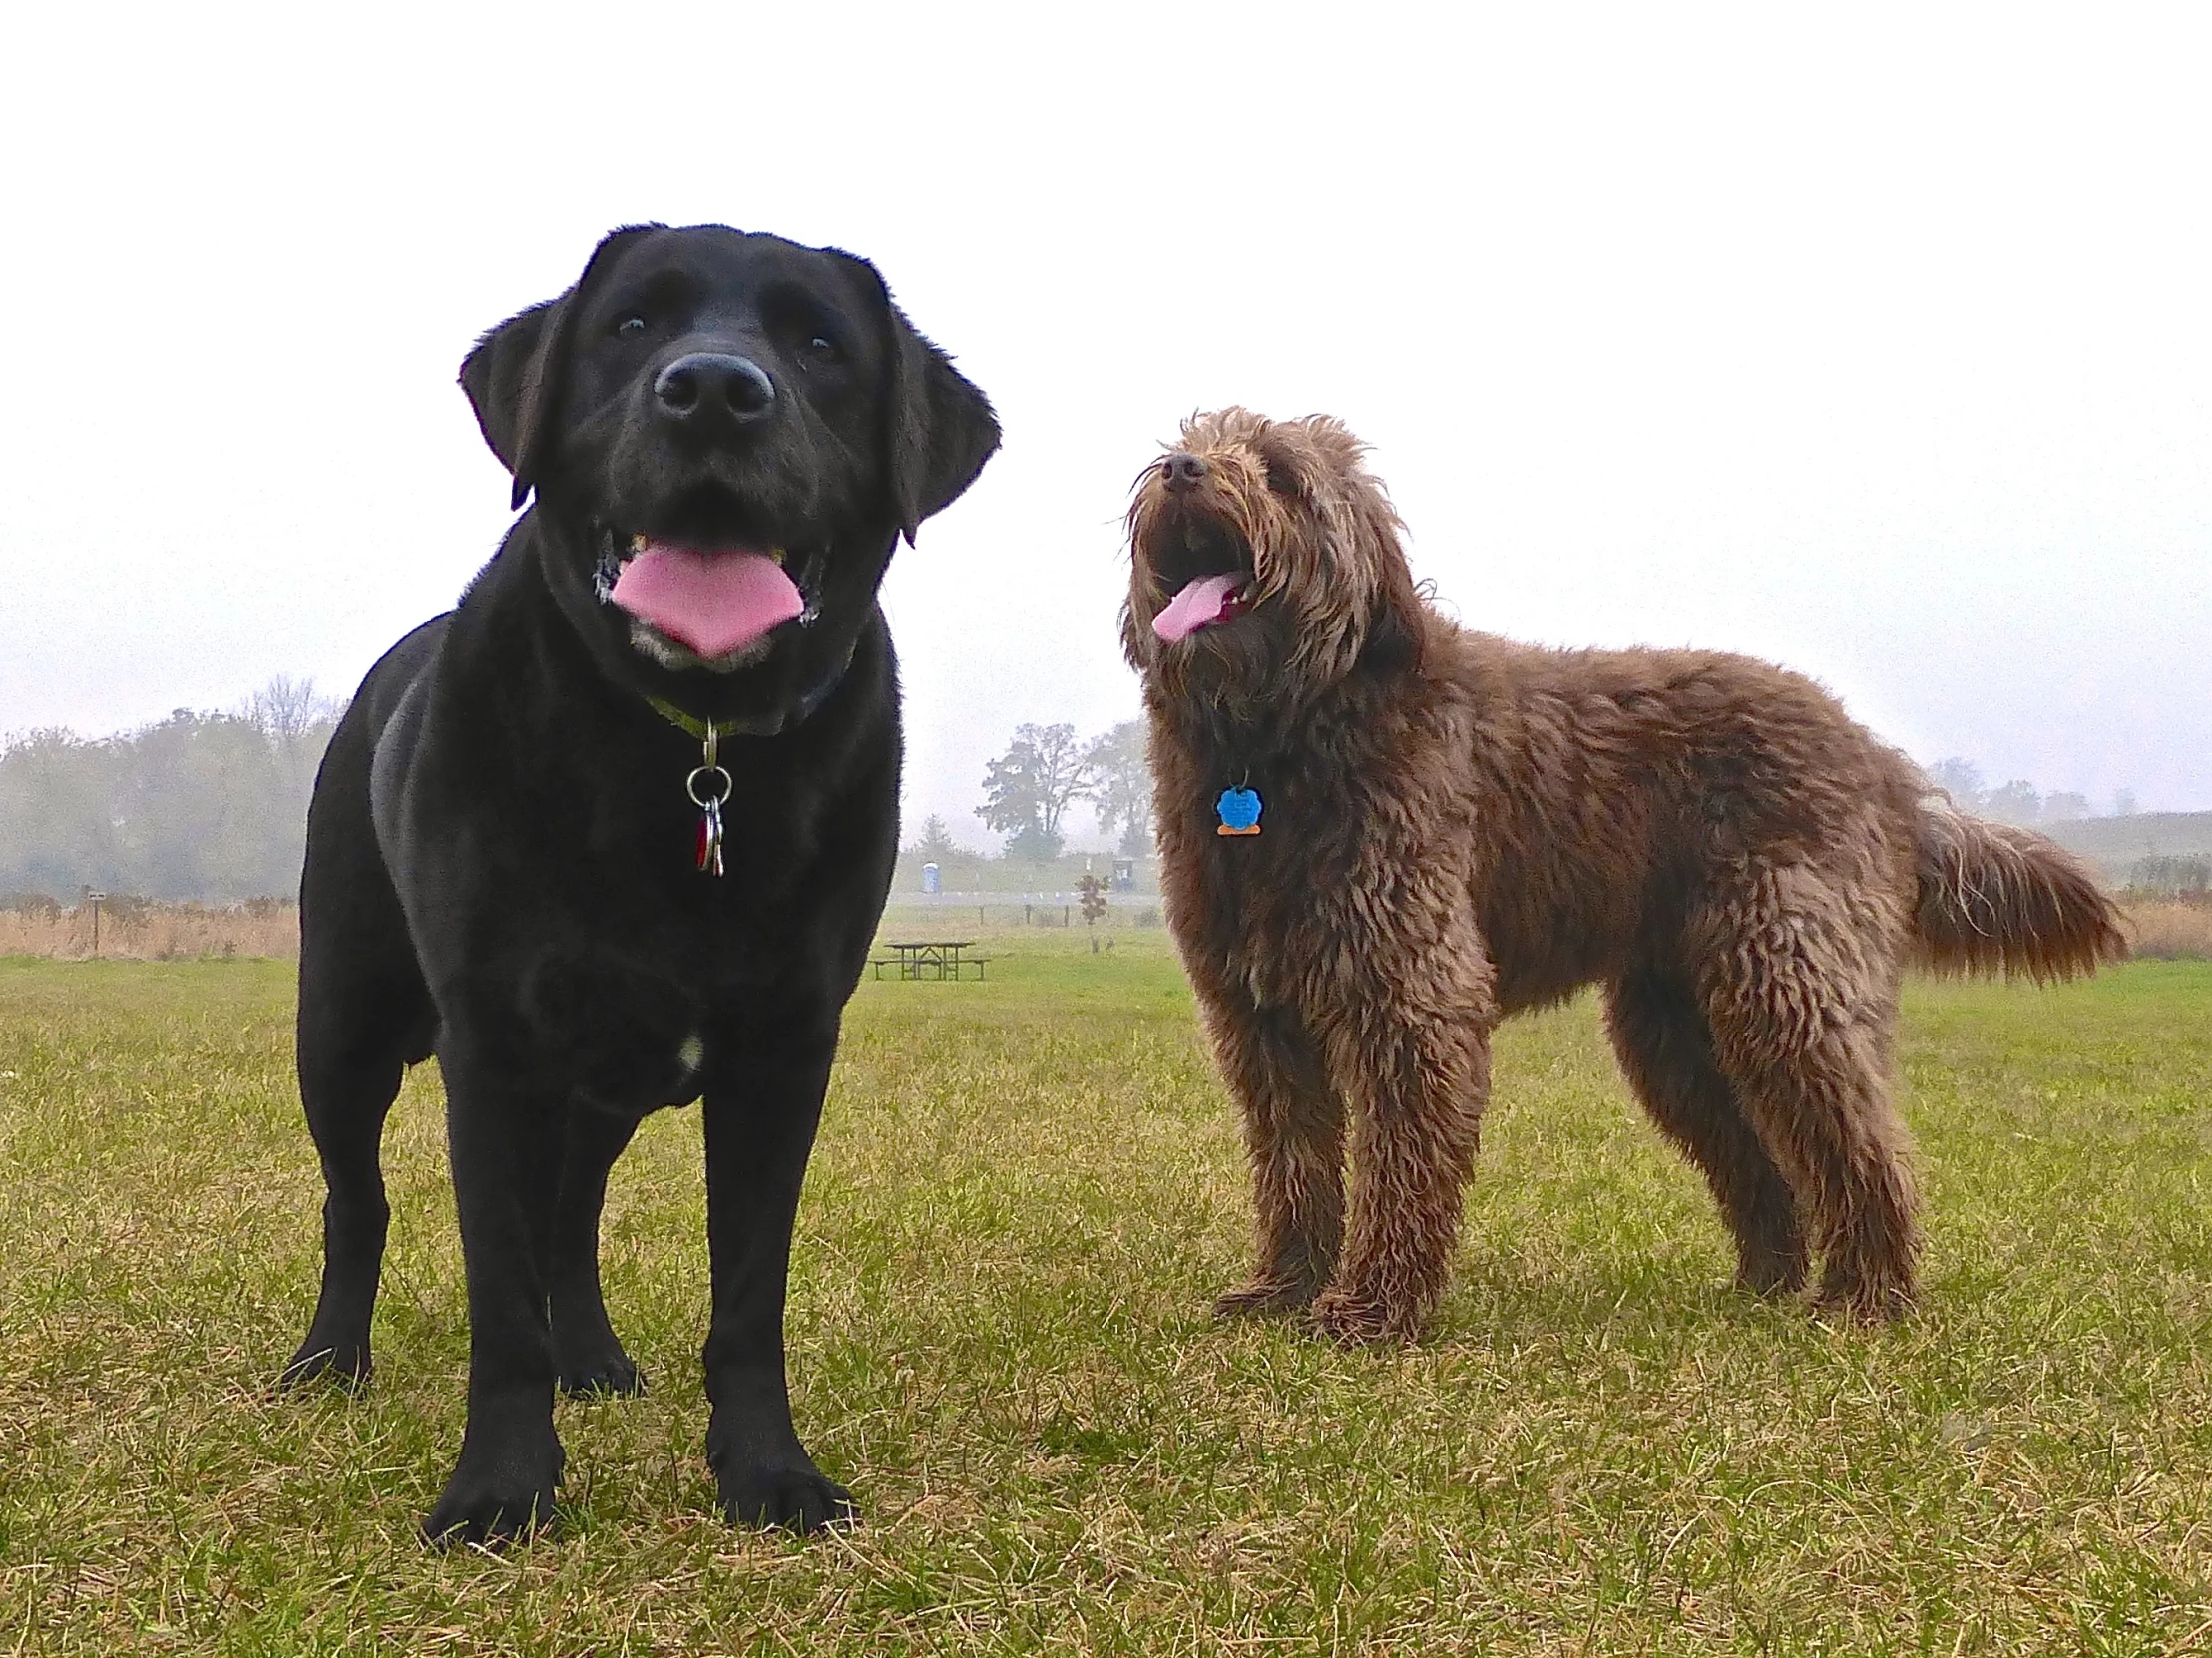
(703, 802)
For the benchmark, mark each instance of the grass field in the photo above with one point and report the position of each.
(1026, 1192)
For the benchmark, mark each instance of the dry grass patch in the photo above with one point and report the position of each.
(137, 930)
(2170, 929)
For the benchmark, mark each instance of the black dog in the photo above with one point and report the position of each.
(615, 833)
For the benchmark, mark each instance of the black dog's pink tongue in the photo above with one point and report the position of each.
(712, 602)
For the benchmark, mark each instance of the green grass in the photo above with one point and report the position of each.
(1026, 1192)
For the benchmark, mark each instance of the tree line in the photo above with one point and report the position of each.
(1028, 789)
(213, 806)
(2017, 802)
(210, 806)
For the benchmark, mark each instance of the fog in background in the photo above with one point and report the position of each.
(1876, 342)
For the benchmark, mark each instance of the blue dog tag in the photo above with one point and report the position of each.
(1238, 810)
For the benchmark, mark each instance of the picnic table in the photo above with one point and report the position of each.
(929, 959)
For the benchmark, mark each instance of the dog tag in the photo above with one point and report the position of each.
(709, 786)
(710, 840)
(1238, 810)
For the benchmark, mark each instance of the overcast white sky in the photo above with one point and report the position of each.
(1878, 342)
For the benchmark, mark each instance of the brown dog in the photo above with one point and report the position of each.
(1453, 828)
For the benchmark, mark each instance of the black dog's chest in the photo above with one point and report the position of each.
(564, 920)
(622, 1034)
(634, 1001)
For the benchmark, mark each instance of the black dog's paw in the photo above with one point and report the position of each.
(612, 1372)
(346, 1363)
(497, 1500)
(799, 1499)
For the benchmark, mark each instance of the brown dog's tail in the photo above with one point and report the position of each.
(1994, 898)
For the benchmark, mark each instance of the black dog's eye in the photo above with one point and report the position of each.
(822, 349)
(629, 327)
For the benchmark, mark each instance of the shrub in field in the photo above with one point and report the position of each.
(2169, 876)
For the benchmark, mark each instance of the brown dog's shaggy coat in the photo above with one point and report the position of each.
(1457, 827)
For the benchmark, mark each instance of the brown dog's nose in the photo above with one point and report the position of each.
(1182, 469)
(712, 383)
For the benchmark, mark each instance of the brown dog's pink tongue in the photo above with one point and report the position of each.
(714, 603)
(1201, 604)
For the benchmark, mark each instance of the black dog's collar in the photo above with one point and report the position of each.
(809, 705)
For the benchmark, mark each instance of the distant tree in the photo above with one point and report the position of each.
(297, 722)
(2015, 802)
(2065, 806)
(1960, 779)
(1028, 789)
(2123, 802)
(207, 810)
(1121, 786)
(936, 845)
(58, 821)
(285, 710)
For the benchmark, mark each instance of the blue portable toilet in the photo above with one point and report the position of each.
(929, 878)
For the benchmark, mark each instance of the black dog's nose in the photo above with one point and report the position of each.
(715, 383)
(1184, 469)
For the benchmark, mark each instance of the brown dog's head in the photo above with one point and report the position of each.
(1264, 563)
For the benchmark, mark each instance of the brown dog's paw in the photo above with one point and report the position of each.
(1261, 1297)
(1352, 1320)
(1863, 1302)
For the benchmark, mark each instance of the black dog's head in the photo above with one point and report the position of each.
(727, 435)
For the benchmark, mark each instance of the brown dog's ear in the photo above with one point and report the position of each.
(513, 376)
(1396, 632)
(939, 428)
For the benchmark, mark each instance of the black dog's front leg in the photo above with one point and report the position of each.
(759, 1132)
(506, 1163)
(589, 1354)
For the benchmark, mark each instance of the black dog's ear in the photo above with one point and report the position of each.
(513, 377)
(939, 428)
(505, 379)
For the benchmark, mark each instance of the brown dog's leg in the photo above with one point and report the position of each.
(1294, 1134)
(1800, 991)
(1658, 1031)
(1415, 1065)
